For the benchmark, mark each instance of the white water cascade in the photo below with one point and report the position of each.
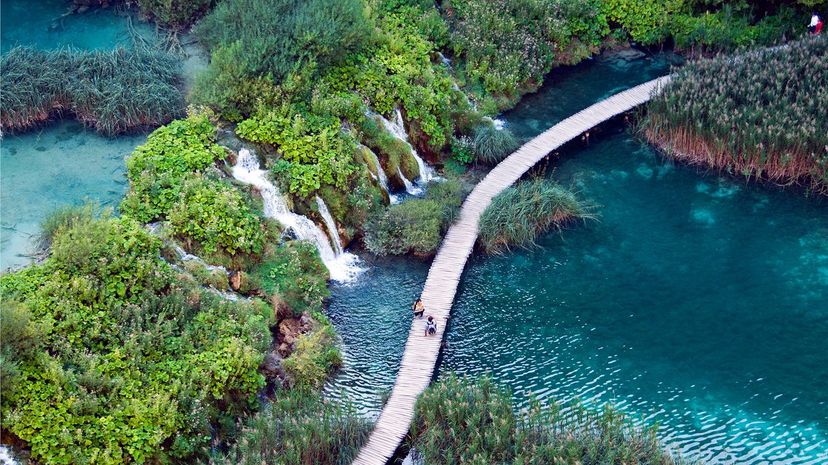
(381, 177)
(330, 224)
(409, 186)
(342, 267)
(397, 128)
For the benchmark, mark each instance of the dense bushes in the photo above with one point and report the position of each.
(113, 361)
(416, 225)
(314, 356)
(266, 40)
(295, 275)
(760, 114)
(520, 213)
(299, 428)
(167, 182)
(175, 13)
(509, 46)
(460, 421)
(113, 91)
(213, 217)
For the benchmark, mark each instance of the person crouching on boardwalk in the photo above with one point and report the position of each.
(418, 308)
(430, 326)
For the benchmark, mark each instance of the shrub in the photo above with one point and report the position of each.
(314, 356)
(449, 194)
(463, 421)
(254, 39)
(520, 213)
(296, 275)
(492, 145)
(113, 91)
(157, 169)
(66, 217)
(115, 363)
(413, 226)
(759, 114)
(299, 428)
(175, 13)
(508, 46)
(216, 218)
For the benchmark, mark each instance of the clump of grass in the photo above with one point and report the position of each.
(760, 114)
(492, 145)
(299, 428)
(112, 91)
(463, 421)
(519, 214)
(67, 217)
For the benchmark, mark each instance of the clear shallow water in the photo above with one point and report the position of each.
(62, 164)
(696, 302)
(39, 24)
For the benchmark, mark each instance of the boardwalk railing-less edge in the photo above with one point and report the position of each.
(420, 356)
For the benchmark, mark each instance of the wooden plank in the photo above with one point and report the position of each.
(421, 352)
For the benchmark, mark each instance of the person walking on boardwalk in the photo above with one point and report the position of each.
(430, 326)
(418, 308)
(815, 26)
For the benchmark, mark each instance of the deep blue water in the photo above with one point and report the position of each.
(695, 301)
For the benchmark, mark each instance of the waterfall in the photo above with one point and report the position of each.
(184, 256)
(341, 266)
(397, 128)
(409, 186)
(330, 224)
(380, 175)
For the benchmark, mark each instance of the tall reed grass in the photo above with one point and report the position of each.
(112, 91)
(760, 114)
(463, 421)
(299, 428)
(519, 214)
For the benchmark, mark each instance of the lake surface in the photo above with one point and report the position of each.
(59, 163)
(695, 301)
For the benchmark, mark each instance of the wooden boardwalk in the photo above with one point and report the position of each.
(420, 357)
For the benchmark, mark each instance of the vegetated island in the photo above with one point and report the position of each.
(125, 344)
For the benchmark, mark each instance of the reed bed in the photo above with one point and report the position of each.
(760, 114)
(464, 421)
(113, 91)
(519, 214)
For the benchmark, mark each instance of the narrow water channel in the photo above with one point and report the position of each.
(695, 301)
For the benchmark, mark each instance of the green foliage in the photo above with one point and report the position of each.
(519, 214)
(115, 363)
(647, 21)
(113, 91)
(157, 169)
(508, 46)
(296, 275)
(65, 217)
(416, 225)
(216, 218)
(409, 227)
(175, 13)
(462, 150)
(492, 145)
(269, 39)
(759, 114)
(314, 150)
(299, 428)
(463, 421)
(314, 356)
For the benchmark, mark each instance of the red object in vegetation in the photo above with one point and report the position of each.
(818, 27)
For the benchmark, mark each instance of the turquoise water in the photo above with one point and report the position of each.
(40, 24)
(61, 163)
(696, 302)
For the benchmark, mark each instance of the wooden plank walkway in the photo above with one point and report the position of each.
(420, 357)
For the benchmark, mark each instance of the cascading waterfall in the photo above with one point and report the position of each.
(184, 256)
(380, 176)
(330, 224)
(397, 128)
(342, 267)
(409, 186)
